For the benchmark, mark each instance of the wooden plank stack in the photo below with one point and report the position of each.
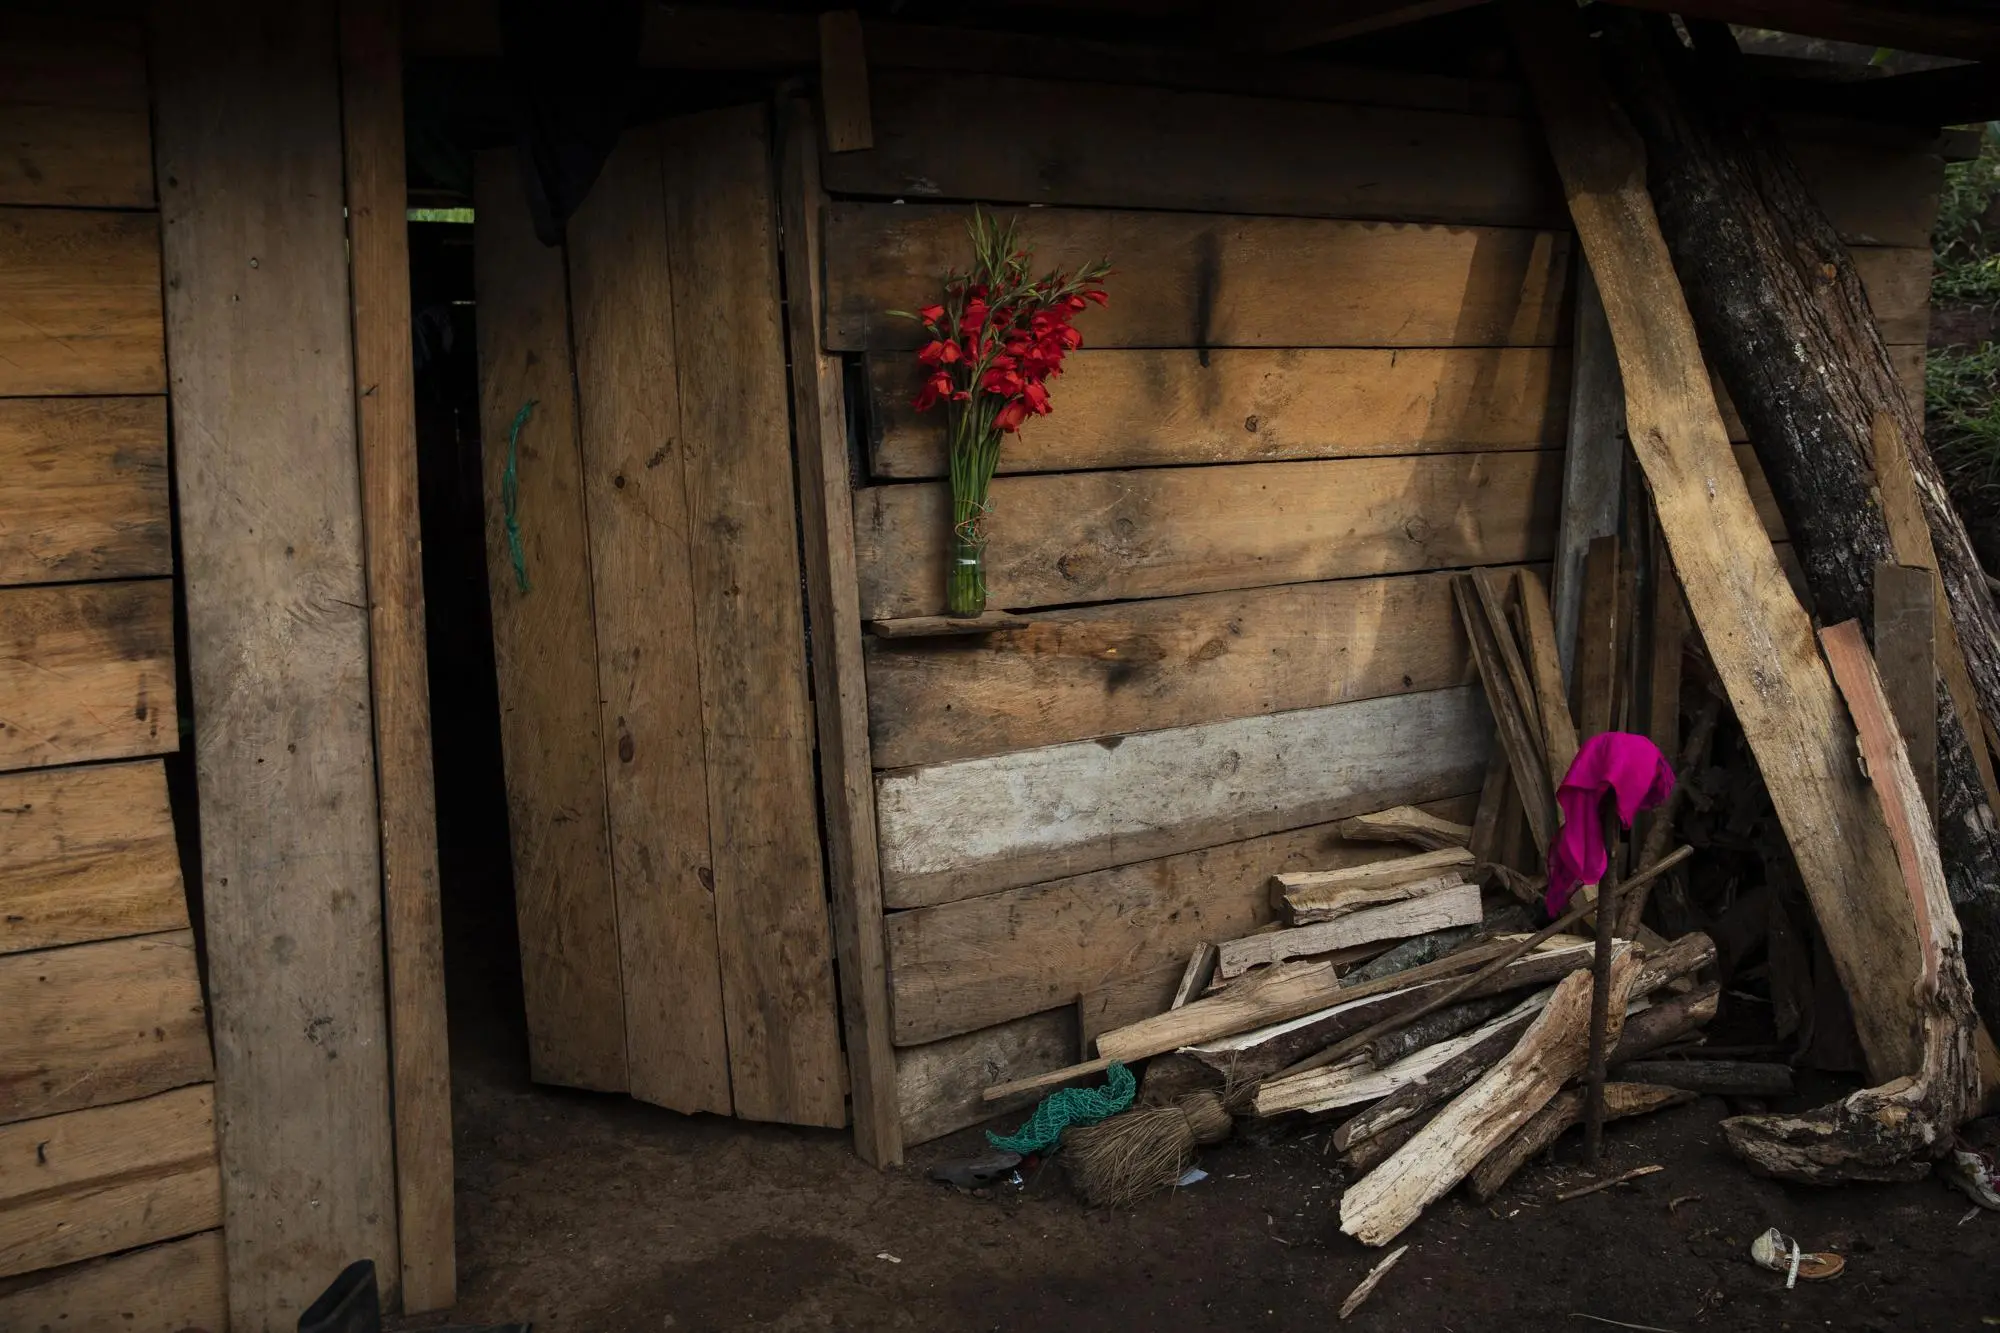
(110, 1186)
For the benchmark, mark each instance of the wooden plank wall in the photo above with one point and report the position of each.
(1303, 405)
(110, 1188)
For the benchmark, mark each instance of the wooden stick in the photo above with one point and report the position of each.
(1200, 971)
(1634, 1174)
(1346, 1047)
(1491, 589)
(1544, 662)
(1662, 828)
(1600, 987)
(1523, 747)
(1368, 1283)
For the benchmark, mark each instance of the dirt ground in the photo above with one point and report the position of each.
(586, 1212)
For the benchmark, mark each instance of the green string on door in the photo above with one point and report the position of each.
(510, 494)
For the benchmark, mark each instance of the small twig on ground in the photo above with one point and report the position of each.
(1618, 1323)
(1672, 1204)
(1633, 1174)
(1367, 1284)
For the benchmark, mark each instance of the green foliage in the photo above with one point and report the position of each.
(1967, 249)
(1962, 402)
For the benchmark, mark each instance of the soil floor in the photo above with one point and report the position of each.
(584, 1212)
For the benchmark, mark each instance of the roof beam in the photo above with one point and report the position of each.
(1929, 28)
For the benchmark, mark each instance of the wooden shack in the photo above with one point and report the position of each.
(780, 849)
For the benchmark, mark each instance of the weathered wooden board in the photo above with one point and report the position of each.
(1097, 536)
(840, 690)
(73, 115)
(1178, 661)
(83, 489)
(167, 1288)
(969, 964)
(80, 302)
(91, 1024)
(770, 897)
(1208, 280)
(1898, 283)
(371, 87)
(953, 831)
(1879, 184)
(1124, 1000)
(545, 648)
(86, 672)
(87, 854)
(1156, 407)
(94, 1182)
(938, 1085)
(248, 132)
(622, 316)
(1157, 148)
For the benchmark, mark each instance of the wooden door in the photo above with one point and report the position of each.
(651, 643)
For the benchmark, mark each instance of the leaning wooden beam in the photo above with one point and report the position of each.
(1552, 1051)
(247, 136)
(1764, 268)
(1548, 1124)
(1450, 902)
(1593, 465)
(1889, 1132)
(1406, 823)
(1758, 635)
(371, 87)
(1545, 665)
(846, 785)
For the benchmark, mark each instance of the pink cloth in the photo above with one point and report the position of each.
(1632, 768)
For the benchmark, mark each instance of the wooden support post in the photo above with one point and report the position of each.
(1906, 651)
(1600, 991)
(846, 783)
(1757, 633)
(247, 118)
(1594, 465)
(843, 81)
(386, 420)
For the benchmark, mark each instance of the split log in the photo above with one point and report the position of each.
(1413, 953)
(1321, 893)
(1447, 1022)
(1644, 1030)
(1376, 1149)
(1670, 1020)
(1779, 308)
(1453, 903)
(1893, 1131)
(1308, 906)
(1758, 635)
(1545, 666)
(1280, 1048)
(1551, 1052)
(1552, 1121)
(1712, 1078)
(1407, 824)
(1443, 1083)
(1357, 1081)
(1518, 734)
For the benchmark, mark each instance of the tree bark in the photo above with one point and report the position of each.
(1780, 312)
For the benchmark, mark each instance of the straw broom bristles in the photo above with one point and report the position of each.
(1127, 1157)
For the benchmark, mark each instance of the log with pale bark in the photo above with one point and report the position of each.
(1440, 1085)
(1377, 1209)
(1891, 1132)
(1447, 1022)
(1552, 1121)
(1407, 824)
(1781, 313)
(1446, 903)
(1321, 895)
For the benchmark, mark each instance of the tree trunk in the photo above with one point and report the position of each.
(1781, 314)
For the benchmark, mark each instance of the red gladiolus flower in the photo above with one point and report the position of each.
(931, 314)
(1036, 397)
(1010, 417)
(940, 353)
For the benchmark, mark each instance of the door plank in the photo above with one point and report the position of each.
(166, 1288)
(771, 920)
(83, 489)
(545, 649)
(80, 302)
(622, 312)
(86, 672)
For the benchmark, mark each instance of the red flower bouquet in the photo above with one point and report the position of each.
(996, 340)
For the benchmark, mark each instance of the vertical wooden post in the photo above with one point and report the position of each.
(386, 419)
(261, 379)
(843, 81)
(1600, 987)
(847, 787)
(1593, 467)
